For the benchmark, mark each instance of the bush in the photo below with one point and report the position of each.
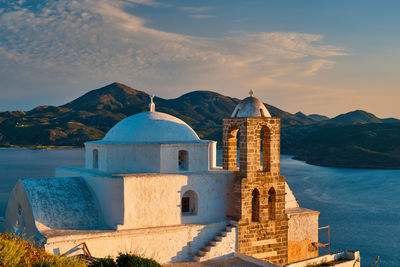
(60, 261)
(129, 260)
(103, 262)
(15, 251)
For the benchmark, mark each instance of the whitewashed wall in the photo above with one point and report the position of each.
(150, 158)
(24, 222)
(150, 200)
(155, 200)
(164, 244)
(197, 157)
(108, 190)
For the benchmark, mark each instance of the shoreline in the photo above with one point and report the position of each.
(41, 147)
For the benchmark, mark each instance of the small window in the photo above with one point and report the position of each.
(189, 203)
(271, 203)
(255, 206)
(183, 160)
(19, 209)
(95, 159)
(185, 204)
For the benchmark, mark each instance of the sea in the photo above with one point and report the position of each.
(361, 206)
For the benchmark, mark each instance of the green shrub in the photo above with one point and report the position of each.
(130, 260)
(103, 262)
(15, 251)
(60, 261)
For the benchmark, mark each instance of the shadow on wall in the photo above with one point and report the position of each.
(199, 238)
(203, 226)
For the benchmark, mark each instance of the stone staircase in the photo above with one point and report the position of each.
(223, 244)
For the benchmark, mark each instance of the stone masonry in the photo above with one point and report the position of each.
(257, 197)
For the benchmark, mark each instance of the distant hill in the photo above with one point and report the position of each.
(369, 145)
(90, 116)
(354, 139)
(318, 117)
(311, 118)
(356, 117)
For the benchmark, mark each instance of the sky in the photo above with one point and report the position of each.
(315, 56)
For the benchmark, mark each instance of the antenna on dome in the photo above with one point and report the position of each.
(152, 105)
(251, 93)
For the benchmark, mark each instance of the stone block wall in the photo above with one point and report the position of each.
(250, 130)
(266, 237)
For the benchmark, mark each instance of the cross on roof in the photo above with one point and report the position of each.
(251, 92)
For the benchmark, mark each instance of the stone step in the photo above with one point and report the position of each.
(197, 258)
(213, 243)
(206, 248)
(229, 228)
(201, 253)
(218, 238)
(209, 249)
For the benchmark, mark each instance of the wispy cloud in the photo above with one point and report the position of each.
(202, 16)
(194, 9)
(198, 12)
(78, 41)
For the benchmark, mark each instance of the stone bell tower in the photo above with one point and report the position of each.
(257, 197)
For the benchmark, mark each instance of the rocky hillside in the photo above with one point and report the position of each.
(354, 139)
(368, 145)
(90, 116)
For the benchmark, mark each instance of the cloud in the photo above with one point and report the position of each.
(197, 12)
(73, 42)
(317, 65)
(144, 2)
(193, 9)
(202, 16)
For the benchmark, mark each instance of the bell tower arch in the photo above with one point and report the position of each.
(261, 234)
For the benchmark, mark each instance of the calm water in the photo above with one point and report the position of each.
(362, 207)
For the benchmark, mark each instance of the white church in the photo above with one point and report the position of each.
(151, 186)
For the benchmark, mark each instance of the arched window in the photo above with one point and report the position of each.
(95, 159)
(255, 206)
(271, 203)
(231, 148)
(265, 141)
(238, 148)
(19, 209)
(183, 163)
(189, 203)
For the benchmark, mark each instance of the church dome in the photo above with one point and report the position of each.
(151, 127)
(250, 107)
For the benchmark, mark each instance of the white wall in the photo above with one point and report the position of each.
(24, 222)
(124, 158)
(164, 244)
(155, 200)
(352, 257)
(150, 158)
(149, 200)
(198, 157)
(108, 190)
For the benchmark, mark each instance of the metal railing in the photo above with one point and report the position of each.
(85, 249)
(325, 247)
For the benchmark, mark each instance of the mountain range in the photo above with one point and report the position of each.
(355, 139)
